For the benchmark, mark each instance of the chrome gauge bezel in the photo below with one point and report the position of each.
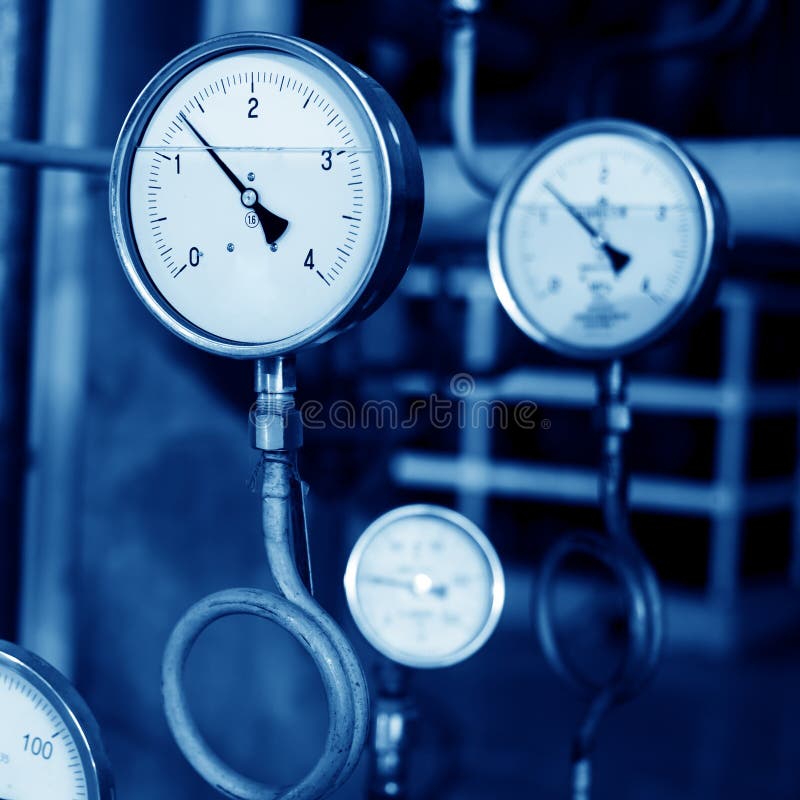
(707, 271)
(72, 711)
(402, 203)
(468, 528)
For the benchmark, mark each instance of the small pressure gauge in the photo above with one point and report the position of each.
(50, 744)
(604, 238)
(425, 586)
(265, 195)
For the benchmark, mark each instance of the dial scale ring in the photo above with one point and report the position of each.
(50, 744)
(425, 586)
(265, 195)
(604, 239)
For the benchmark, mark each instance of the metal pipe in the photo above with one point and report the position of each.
(460, 51)
(619, 553)
(54, 156)
(395, 715)
(613, 416)
(223, 16)
(275, 384)
(275, 431)
(279, 543)
(305, 629)
(756, 177)
(67, 220)
(21, 35)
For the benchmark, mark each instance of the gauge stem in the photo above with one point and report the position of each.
(276, 382)
(395, 714)
(613, 417)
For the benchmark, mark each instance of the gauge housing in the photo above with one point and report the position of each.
(465, 528)
(401, 210)
(71, 710)
(707, 272)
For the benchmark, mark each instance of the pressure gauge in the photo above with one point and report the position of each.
(604, 238)
(50, 744)
(425, 586)
(265, 195)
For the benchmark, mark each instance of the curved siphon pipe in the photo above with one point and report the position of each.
(460, 47)
(295, 610)
(279, 475)
(330, 766)
(618, 551)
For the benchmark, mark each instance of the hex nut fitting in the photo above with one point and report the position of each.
(270, 431)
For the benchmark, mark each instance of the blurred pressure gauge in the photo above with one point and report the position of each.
(50, 747)
(425, 586)
(604, 238)
(265, 194)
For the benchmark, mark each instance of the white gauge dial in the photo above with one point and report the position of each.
(602, 240)
(424, 586)
(252, 194)
(44, 751)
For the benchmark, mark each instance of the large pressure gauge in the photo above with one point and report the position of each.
(604, 238)
(425, 586)
(265, 194)
(50, 744)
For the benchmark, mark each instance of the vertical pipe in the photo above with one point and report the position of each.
(731, 464)
(21, 35)
(68, 224)
(223, 16)
(794, 562)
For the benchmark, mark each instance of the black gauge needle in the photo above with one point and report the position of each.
(272, 225)
(400, 584)
(619, 260)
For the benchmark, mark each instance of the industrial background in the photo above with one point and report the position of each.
(124, 462)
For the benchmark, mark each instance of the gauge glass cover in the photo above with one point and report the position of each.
(602, 239)
(253, 190)
(49, 743)
(425, 586)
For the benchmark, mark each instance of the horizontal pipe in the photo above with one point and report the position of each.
(757, 179)
(573, 389)
(578, 485)
(53, 156)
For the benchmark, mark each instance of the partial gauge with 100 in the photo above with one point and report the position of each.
(425, 586)
(50, 744)
(265, 194)
(604, 238)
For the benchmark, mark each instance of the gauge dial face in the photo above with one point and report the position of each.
(425, 586)
(257, 195)
(602, 241)
(42, 750)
